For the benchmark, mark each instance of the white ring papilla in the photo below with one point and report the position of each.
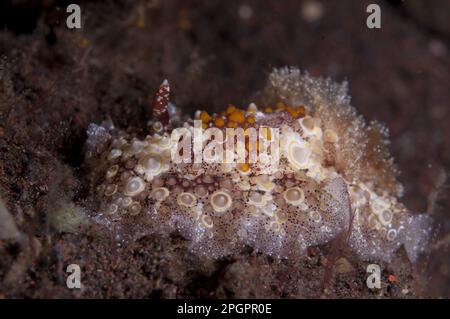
(165, 142)
(221, 201)
(112, 209)
(379, 204)
(391, 234)
(112, 171)
(151, 164)
(134, 186)
(115, 153)
(207, 221)
(309, 127)
(244, 185)
(315, 216)
(257, 199)
(110, 189)
(137, 146)
(298, 154)
(186, 199)
(274, 226)
(227, 184)
(294, 196)
(385, 217)
(281, 216)
(269, 209)
(201, 190)
(157, 126)
(126, 201)
(135, 209)
(159, 194)
(264, 183)
(208, 179)
(119, 142)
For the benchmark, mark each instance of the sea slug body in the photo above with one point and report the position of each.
(334, 175)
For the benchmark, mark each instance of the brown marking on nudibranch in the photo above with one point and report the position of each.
(160, 103)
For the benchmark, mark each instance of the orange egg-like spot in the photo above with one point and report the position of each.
(251, 119)
(237, 116)
(231, 124)
(245, 167)
(268, 110)
(296, 112)
(205, 117)
(292, 111)
(219, 122)
(230, 109)
(281, 106)
(301, 111)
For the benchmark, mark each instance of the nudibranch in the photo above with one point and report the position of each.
(333, 175)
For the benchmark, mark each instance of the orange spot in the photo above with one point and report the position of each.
(302, 111)
(204, 126)
(230, 109)
(84, 42)
(281, 106)
(268, 110)
(141, 22)
(296, 111)
(251, 119)
(392, 278)
(184, 21)
(231, 124)
(219, 122)
(245, 167)
(292, 111)
(205, 117)
(237, 116)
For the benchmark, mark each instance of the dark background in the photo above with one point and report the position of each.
(56, 81)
